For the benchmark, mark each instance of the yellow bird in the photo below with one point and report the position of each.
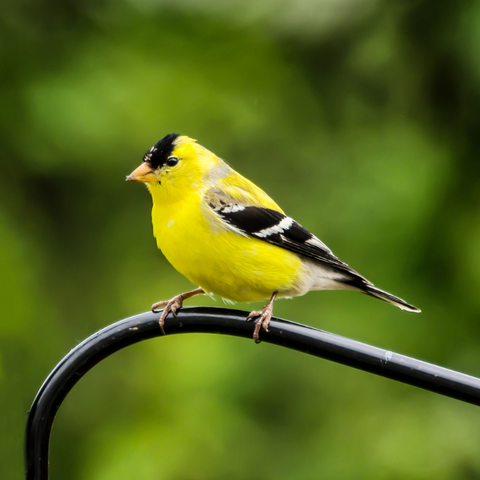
(229, 237)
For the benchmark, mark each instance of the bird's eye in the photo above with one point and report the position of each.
(172, 161)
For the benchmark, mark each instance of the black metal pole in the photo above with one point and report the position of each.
(230, 322)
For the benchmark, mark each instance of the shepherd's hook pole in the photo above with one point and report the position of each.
(228, 322)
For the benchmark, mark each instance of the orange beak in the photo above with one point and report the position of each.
(143, 173)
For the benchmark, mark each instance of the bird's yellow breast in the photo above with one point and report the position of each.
(238, 268)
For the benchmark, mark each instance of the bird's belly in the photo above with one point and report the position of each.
(238, 268)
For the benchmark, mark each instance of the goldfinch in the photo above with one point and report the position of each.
(229, 237)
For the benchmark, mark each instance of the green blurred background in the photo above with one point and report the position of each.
(360, 117)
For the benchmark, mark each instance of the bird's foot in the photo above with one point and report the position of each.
(171, 305)
(264, 316)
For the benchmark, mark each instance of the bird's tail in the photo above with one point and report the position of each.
(387, 297)
(360, 284)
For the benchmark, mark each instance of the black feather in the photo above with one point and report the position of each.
(278, 229)
(380, 294)
(250, 219)
(254, 220)
(158, 154)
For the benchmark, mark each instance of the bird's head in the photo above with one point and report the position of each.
(176, 163)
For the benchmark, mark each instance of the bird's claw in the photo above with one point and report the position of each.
(265, 315)
(171, 305)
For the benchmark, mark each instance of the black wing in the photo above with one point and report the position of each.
(278, 229)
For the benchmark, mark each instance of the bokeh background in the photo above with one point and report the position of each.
(360, 117)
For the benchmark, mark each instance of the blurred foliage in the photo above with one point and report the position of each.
(360, 117)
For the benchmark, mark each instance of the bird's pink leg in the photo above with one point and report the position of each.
(173, 305)
(265, 314)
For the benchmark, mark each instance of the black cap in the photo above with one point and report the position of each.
(158, 154)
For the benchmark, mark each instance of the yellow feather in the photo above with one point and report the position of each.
(190, 186)
(200, 246)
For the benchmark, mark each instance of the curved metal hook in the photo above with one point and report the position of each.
(229, 322)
